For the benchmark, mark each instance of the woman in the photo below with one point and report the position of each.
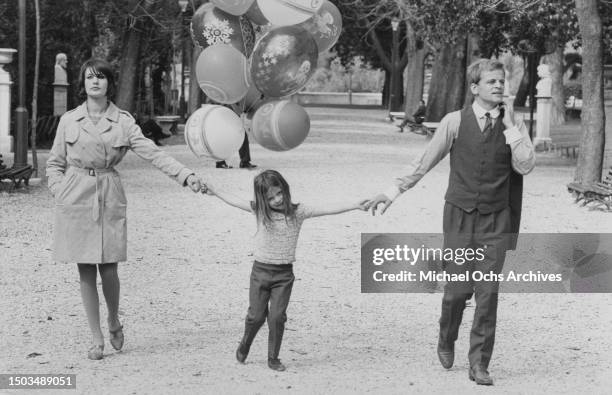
(90, 220)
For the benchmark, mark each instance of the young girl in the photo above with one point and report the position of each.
(278, 225)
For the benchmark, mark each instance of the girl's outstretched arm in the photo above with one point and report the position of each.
(227, 197)
(340, 208)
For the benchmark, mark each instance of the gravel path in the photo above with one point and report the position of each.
(185, 284)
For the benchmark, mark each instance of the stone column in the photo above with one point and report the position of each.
(60, 85)
(60, 98)
(6, 140)
(542, 139)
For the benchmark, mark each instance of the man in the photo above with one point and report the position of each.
(417, 118)
(151, 129)
(245, 157)
(489, 153)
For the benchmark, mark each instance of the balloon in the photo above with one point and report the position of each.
(214, 131)
(254, 14)
(283, 60)
(288, 12)
(222, 73)
(234, 7)
(280, 125)
(211, 26)
(325, 26)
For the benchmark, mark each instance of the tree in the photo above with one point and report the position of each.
(35, 91)
(448, 80)
(367, 32)
(130, 54)
(590, 159)
(416, 52)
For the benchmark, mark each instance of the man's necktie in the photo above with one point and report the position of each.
(488, 124)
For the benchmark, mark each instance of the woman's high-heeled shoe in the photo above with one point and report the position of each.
(96, 352)
(116, 338)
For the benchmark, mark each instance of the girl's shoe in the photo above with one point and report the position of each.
(275, 364)
(241, 352)
(96, 352)
(116, 338)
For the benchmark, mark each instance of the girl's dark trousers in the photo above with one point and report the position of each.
(269, 293)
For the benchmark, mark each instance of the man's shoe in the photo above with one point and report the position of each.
(223, 165)
(480, 375)
(275, 364)
(446, 357)
(241, 353)
(247, 165)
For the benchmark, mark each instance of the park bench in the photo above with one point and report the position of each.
(567, 149)
(15, 175)
(393, 115)
(600, 192)
(573, 107)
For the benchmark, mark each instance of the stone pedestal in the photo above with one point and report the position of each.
(60, 98)
(542, 139)
(6, 140)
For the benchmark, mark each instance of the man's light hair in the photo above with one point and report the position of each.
(475, 70)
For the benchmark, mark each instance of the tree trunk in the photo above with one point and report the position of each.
(390, 67)
(593, 117)
(555, 64)
(195, 95)
(35, 91)
(414, 72)
(523, 89)
(385, 89)
(130, 54)
(447, 87)
(473, 54)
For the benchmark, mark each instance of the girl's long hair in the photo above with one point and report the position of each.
(262, 184)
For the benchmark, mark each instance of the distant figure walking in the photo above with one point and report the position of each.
(417, 118)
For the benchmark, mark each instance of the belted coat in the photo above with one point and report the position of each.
(90, 215)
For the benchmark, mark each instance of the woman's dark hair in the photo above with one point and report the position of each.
(98, 66)
(262, 184)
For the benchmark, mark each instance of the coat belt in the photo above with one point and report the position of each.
(95, 215)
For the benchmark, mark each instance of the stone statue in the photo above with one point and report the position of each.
(542, 138)
(544, 85)
(61, 61)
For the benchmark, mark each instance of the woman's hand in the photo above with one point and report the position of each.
(363, 205)
(194, 183)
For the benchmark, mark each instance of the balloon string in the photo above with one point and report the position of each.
(244, 48)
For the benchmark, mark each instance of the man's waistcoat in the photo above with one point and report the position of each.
(480, 167)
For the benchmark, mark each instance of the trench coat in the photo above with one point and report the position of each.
(90, 212)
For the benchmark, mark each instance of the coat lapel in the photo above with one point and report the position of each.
(110, 116)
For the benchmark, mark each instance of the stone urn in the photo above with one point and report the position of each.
(6, 57)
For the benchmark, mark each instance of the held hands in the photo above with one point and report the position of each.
(363, 205)
(376, 200)
(207, 189)
(194, 183)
